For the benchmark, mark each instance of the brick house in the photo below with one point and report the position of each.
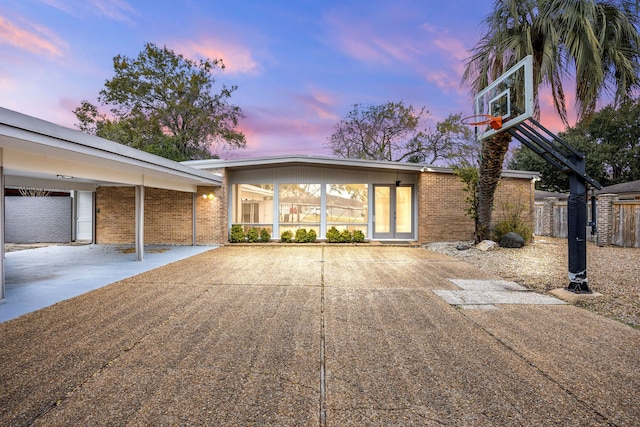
(385, 200)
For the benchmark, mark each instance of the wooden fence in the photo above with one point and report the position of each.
(618, 221)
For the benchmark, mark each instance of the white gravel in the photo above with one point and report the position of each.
(542, 266)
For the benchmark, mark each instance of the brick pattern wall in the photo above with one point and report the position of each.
(37, 219)
(514, 196)
(115, 215)
(211, 215)
(168, 216)
(441, 206)
(441, 209)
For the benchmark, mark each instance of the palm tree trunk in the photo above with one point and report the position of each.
(493, 151)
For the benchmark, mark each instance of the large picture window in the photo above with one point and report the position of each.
(253, 205)
(299, 207)
(347, 206)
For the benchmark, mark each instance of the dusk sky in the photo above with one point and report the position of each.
(299, 65)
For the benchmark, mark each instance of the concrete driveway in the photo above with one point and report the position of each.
(316, 335)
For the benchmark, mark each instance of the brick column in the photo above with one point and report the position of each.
(547, 215)
(605, 218)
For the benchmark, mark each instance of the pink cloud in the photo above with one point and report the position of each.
(320, 104)
(271, 131)
(236, 57)
(36, 39)
(362, 41)
(118, 10)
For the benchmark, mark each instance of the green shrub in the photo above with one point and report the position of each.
(252, 235)
(511, 221)
(264, 235)
(311, 236)
(333, 235)
(301, 235)
(286, 236)
(346, 236)
(358, 236)
(237, 234)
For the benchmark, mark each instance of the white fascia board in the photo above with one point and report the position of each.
(298, 159)
(36, 135)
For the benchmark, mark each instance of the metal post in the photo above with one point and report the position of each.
(139, 207)
(577, 230)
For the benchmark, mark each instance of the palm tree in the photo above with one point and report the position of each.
(596, 42)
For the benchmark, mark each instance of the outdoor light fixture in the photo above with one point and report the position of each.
(398, 183)
(209, 196)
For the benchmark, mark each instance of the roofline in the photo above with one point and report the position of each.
(335, 161)
(80, 142)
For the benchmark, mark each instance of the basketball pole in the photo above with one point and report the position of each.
(577, 230)
(567, 159)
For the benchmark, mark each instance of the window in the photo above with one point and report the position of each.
(299, 207)
(347, 206)
(252, 205)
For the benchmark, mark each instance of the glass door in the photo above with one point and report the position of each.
(393, 212)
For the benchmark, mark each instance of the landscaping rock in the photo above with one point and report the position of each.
(486, 245)
(512, 240)
(463, 247)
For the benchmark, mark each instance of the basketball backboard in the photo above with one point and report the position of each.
(510, 96)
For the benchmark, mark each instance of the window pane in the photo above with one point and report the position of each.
(252, 204)
(299, 203)
(347, 203)
(403, 209)
(382, 209)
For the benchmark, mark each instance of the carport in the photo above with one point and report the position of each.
(37, 153)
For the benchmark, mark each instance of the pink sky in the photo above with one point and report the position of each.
(299, 66)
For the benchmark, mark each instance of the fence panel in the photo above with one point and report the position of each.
(626, 224)
(560, 220)
(538, 218)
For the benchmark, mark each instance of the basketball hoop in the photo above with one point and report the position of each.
(483, 119)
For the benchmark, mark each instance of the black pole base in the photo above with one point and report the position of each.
(579, 288)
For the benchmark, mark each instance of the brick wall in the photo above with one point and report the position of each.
(211, 215)
(168, 216)
(441, 209)
(37, 219)
(115, 215)
(441, 206)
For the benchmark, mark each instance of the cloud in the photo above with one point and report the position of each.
(360, 40)
(116, 10)
(236, 57)
(320, 104)
(31, 37)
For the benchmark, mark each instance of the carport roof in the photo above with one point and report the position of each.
(37, 153)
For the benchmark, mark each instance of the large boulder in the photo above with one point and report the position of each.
(486, 245)
(511, 240)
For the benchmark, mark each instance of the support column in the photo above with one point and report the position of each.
(577, 231)
(604, 219)
(2, 204)
(140, 222)
(194, 231)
